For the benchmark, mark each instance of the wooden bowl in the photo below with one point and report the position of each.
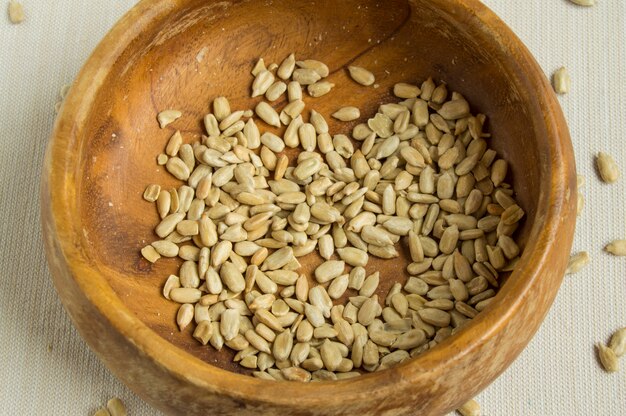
(181, 54)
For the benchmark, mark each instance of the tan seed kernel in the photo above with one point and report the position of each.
(16, 12)
(320, 88)
(267, 114)
(286, 67)
(562, 80)
(317, 66)
(608, 169)
(470, 408)
(361, 75)
(168, 116)
(618, 342)
(577, 262)
(347, 114)
(586, 3)
(608, 358)
(616, 247)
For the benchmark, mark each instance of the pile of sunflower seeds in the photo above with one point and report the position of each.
(423, 178)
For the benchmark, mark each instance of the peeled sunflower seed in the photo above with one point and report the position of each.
(608, 358)
(320, 88)
(618, 342)
(577, 262)
(116, 407)
(608, 169)
(267, 114)
(305, 76)
(262, 83)
(168, 116)
(470, 408)
(616, 247)
(347, 114)
(16, 12)
(286, 67)
(317, 66)
(361, 75)
(584, 2)
(561, 80)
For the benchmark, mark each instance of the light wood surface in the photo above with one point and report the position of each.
(103, 152)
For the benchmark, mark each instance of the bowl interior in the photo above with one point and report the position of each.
(207, 49)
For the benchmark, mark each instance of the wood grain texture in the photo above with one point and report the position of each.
(103, 152)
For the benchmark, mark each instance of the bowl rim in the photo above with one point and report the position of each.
(555, 185)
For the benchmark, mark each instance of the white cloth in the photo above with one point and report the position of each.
(558, 374)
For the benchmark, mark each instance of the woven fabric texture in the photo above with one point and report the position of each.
(47, 367)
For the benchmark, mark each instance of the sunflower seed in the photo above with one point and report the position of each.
(275, 90)
(435, 317)
(454, 109)
(618, 342)
(584, 2)
(608, 358)
(403, 90)
(320, 88)
(168, 116)
(577, 262)
(361, 75)
(262, 81)
(305, 76)
(184, 315)
(608, 169)
(331, 355)
(616, 247)
(116, 407)
(470, 408)
(347, 114)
